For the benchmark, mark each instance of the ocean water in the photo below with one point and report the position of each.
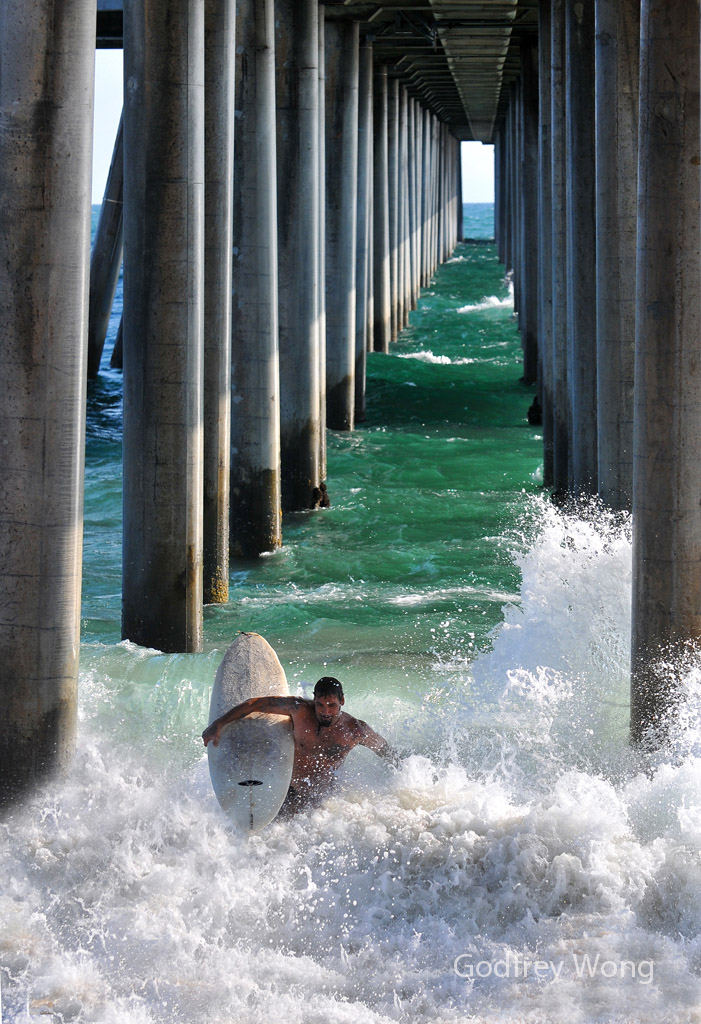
(521, 865)
(478, 220)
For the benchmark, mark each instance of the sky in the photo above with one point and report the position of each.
(477, 160)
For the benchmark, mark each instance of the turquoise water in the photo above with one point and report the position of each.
(486, 634)
(478, 220)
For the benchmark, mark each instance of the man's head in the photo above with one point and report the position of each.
(328, 700)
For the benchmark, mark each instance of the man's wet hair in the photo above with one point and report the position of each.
(328, 687)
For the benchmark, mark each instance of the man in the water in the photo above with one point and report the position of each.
(323, 733)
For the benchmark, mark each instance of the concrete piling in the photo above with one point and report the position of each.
(296, 58)
(581, 246)
(545, 240)
(528, 321)
(617, 76)
(393, 174)
(106, 258)
(219, 41)
(46, 110)
(342, 68)
(364, 224)
(382, 328)
(321, 216)
(561, 403)
(666, 620)
(163, 324)
(255, 519)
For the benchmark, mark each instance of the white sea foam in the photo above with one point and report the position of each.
(524, 832)
(429, 357)
(491, 301)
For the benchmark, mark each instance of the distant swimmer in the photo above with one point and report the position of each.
(323, 736)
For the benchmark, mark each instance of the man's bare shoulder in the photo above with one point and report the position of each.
(355, 726)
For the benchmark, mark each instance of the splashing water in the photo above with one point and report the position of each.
(521, 865)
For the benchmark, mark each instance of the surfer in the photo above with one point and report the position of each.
(323, 733)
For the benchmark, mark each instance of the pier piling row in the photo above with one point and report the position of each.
(291, 179)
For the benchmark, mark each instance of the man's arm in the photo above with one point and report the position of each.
(378, 744)
(265, 705)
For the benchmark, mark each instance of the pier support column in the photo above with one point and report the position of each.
(106, 258)
(581, 249)
(402, 210)
(393, 175)
(46, 110)
(381, 260)
(296, 58)
(418, 190)
(163, 324)
(321, 216)
(529, 231)
(364, 225)
(342, 63)
(667, 455)
(561, 403)
(255, 522)
(545, 240)
(220, 54)
(617, 74)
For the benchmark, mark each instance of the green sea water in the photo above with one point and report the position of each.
(411, 562)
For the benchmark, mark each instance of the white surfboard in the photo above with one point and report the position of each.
(252, 766)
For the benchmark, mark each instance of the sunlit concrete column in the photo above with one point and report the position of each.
(46, 111)
(529, 245)
(402, 192)
(667, 454)
(381, 260)
(418, 192)
(617, 73)
(106, 258)
(459, 197)
(561, 419)
(393, 175)
(364, 226)
(297, 76)
(411, 201)
(220, 27)
(545, 240)
(498, 205)
(321, 99)
(342, 65)
(426, 200)
(433, 246)
(519, 196)
(163, 324)
(255, 400)
(581, 249)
